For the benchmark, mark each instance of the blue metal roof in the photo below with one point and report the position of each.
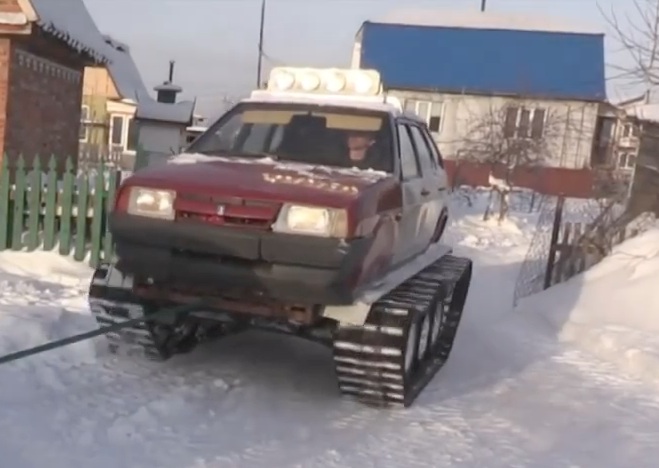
(486, 61)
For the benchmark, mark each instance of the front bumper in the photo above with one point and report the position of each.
(284, 267)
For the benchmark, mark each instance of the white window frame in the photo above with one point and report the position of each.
(532, 111)
(432, 106)
(629, 154)
(85, 122)
(628, 130)
(126, 119)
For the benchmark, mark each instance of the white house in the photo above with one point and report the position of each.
(462, 69)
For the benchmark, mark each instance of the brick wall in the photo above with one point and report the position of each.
(577, 183)
(43, 99)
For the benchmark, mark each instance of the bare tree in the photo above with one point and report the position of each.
(508, 137)
(637, 32)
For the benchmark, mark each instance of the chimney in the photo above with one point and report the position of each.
(167, 91)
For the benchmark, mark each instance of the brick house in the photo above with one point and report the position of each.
(44, 47)
(459, 69)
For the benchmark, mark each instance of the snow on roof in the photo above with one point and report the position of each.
(70, 21)
(485, 20)
(610, 310)
(150, 109)
(130, 85)
(647, 112)
(367, 103)
(123, 70)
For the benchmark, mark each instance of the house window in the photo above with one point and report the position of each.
(520, 122)
(626, 160)
(83, 135)
(117, 130)
(123, 132)
(629, 130)
(429, 111)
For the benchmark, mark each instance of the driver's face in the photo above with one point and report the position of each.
(360, 141)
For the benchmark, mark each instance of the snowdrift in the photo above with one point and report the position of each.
(44, 298)
(612, 310)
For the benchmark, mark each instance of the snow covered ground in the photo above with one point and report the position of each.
(566, 380)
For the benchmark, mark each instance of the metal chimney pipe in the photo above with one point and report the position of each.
(171, 71)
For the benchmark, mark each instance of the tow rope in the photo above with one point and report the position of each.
(175, 311)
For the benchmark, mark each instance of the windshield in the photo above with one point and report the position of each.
(302, 133)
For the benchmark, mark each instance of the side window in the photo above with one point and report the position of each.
(408, 160)
(425, 156)
(434, 151)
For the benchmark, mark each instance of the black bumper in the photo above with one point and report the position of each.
(284, 267)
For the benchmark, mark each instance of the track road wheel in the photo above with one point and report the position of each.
(111, 301)
(407, 336)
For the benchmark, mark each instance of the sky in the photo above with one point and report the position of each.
(215, 42)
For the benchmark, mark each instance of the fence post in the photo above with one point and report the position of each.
(558, 217)
(34, 205)
(19, 206)
(81, 219)
(51, 205)
(97, 217)
(113, 183)
(66, 203)
(5, 192)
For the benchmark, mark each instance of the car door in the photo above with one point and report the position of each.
(408, 243)
(434, 184)
(442, 176)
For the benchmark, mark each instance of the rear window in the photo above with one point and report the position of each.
(306, 134)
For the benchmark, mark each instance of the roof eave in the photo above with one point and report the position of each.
(96, 57)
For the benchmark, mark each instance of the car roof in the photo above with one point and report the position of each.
(374, 103)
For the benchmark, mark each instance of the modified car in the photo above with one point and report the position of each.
(316, 207)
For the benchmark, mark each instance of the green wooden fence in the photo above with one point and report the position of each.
(45, 210)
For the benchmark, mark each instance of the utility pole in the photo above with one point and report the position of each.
(483, 2)
(260, 61)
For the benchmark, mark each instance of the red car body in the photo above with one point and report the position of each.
(221, 236)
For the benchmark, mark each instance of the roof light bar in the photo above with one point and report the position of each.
(355, 82)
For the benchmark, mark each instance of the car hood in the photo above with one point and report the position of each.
(261, 178)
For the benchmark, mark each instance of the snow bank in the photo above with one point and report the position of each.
(612, 310)
(44, 298)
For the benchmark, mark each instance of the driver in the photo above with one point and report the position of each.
(359, 143)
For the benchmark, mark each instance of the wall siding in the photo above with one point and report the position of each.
(571, 148)
(160, 140)
(97, 82)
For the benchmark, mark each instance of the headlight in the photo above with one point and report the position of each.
(324, 222)
(152, 203)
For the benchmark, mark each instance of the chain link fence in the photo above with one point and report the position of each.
(588, 212)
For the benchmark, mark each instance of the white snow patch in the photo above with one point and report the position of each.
(308, 170)
(195, 158)
(612, 309)
(507, 396)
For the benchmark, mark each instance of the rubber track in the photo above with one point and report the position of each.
(369, 359)
(111, 301)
